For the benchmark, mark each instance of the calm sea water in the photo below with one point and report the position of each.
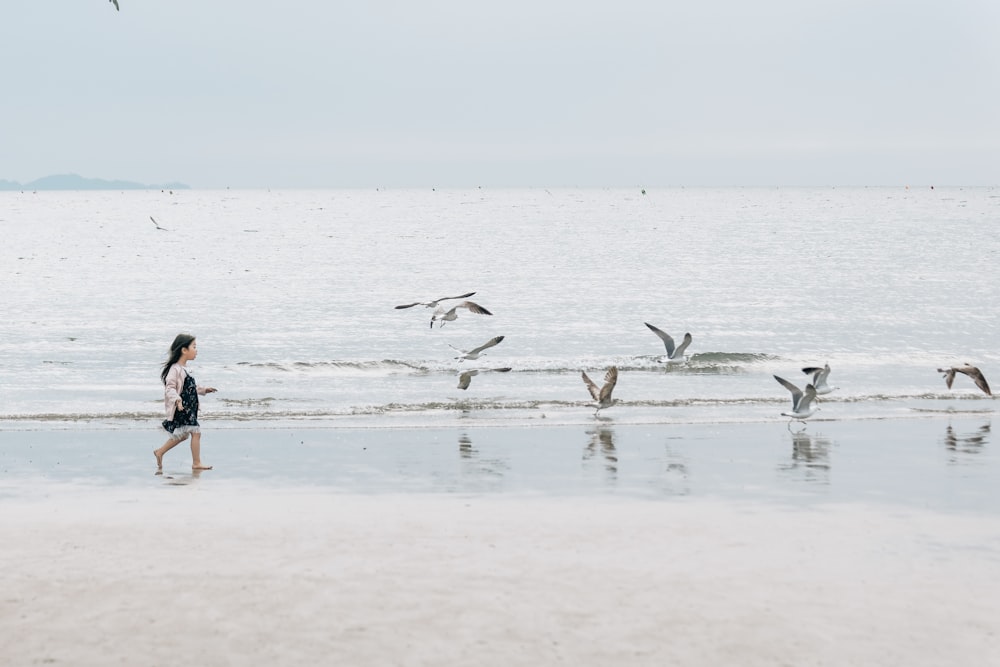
(291, 295)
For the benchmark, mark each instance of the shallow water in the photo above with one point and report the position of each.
(930, 463)
(291, 295)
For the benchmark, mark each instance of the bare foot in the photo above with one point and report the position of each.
(159, 459)
(200, 466)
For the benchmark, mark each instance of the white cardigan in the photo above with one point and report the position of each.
(172, 389)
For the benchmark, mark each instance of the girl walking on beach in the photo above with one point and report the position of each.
(180, 398)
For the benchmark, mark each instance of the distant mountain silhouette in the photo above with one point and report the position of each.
(77, 182)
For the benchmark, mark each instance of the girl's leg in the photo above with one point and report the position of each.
(167, 446)
(196, 463)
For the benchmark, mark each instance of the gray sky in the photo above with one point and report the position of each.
(323, 93)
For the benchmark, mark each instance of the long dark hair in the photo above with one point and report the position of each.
(182, 341)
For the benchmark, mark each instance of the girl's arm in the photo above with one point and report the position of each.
(206, 390)
(172, 388)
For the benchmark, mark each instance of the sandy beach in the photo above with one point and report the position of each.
(638, 545)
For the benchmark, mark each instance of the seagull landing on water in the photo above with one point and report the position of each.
(441, 315)
(675, 354)
(603, 394)
(971, 371)
(466, 378)
(819, 378)
(475, 352)
(802, 401)
(436, 302)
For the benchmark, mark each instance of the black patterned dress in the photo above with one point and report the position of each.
(189, 415)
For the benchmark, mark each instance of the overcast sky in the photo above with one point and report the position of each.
(324, 93)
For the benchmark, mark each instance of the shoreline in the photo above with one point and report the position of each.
(471, 416)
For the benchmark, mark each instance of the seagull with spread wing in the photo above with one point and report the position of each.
(475, 352)
(675, 354)
(971, 371)
(441, 315)
(435, 303)
(819, 376)
(802, 401)
(602, 395)
(466, 378)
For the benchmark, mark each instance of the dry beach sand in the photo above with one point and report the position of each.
(457, 547)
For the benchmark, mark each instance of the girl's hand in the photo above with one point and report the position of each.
(180, 404)
(210, 390)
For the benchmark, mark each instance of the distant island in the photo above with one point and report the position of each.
(77, 182)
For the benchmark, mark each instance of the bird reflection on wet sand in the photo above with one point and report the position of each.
(966, 443)
(485, 470)
(603, 440)
(675, 474)
(810, 457)
(465, 446)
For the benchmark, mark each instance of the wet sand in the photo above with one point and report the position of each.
(854, 543)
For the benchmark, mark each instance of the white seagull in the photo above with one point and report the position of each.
(971, 371)
(435, 302)
(475, 352)
(441, 315)
(674, 354)
(819, 378)
(162, 229)
(603, 394)
(802, 401)
(466, 378)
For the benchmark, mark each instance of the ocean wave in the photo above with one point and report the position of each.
(248, 402)
(716, 363)
(373, 366)
(952, 410)
(731, 358)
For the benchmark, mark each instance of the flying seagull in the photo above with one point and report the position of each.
(674, 354)
(162, 229)
(819, 378)
(435, 302)
(476, 351)
(442, 315)
(115, 2)
(466, 378)
(971, 371)
(603, 394)
(802, 401)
